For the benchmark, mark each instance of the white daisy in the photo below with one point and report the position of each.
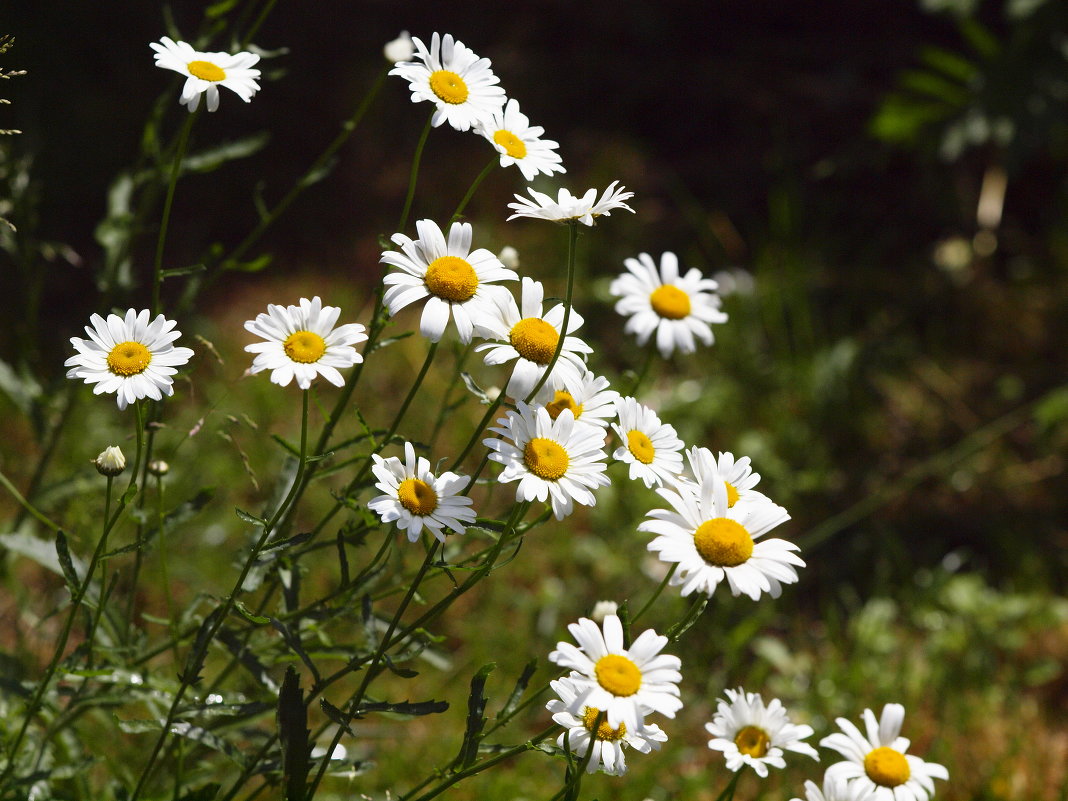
(206, 72)
(749, 733)
(589, 399)
(878, 763)
(400, 49)
(676, 308)
(415, 498)
(566, 207)
(627, 683)
(651, 448)
(559, 460)
(449, 75)
(128, 356)
(456, 281)
(519, 143)
(711, 540)
(531, 337)
(736, 473)
(303, 343)
(608, 741)
(835, 789)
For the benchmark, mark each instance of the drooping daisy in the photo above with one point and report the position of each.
(878, 762)
(711, 540)
(415, 497)
(128, 356)
(736, 473)
(651, 448)
(456, 281)
(749, 733)
(519, 143)
(303, 343)
(531, 337)
(567, 207)
(449, 75)
(557, 460)
(677, 308)
(206, 72)
(627, 683)
(590, 400)
(607, 741)
(835, 790)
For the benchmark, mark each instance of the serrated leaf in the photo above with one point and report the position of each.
(293, 736)
(287, 542)
(293, 641)
(336, 715)
(250, 518)
(246, 613)
(520, 687)
(413, 708)
(66, 563)
(476, 719)
(683, 625)
(248, 659)
(194, 660)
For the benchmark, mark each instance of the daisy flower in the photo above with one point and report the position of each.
(303, 343)
(456, 281)
(835, 790)
(559, 460)
(625, 683)
(206, 72)
(710, 540)
(659, 300)
(415, 498)
(737, 474)
(130, 356)
(607, 741)
(749, 733)
(449, 75)
(589, 399)
(511, 133)
(878, 763)
(531, 337)
(651, 448)
(567, 207)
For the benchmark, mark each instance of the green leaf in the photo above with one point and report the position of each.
(66, 563)
(41, 551)
(194, 661)
(213, 158)
(22, 388)
(248, 659)
(174, 272)
(413, 708)
(293, 736)
(339, 718)
(292, 449)
(293, 641)
(476, 720)
(207, 739)
(246, 613)
(249, 518)
(342, 558)
(287, 542)
(208, 792)
(254, 266)
(385, 343)
(520, 687)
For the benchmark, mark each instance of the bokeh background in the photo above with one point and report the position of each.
(881, 187)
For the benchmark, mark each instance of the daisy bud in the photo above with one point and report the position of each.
(400, 49)
(110, 462)
(603, 609)
(509, 257)
(158, 467)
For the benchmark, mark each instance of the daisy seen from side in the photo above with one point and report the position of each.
(750, 733)
(651, 448)
(556, 460)
(590, 399)
(625, 683)
(459, 83)
(583, 729)
(525, 334)
(520, 143)
(129, 355)
(569, 208)
(737, 474)
(678, 309)
(711, 541)
(456, 282)
(206, 72)
(302, 343)
(877, 760)
(414, 497)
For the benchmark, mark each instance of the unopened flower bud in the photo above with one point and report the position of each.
(111, 462)
(603, 609)
(158, 467)
(400, 49)
(509, 257)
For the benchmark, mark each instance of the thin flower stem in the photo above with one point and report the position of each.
(176, 168)
(446, 400)
(25, 504)
(142, 488)
(639, 378)
(414, 174)
(172, 622)
(471, 191)
(572, 238)
(728, 791)
(228, 604)
(656, 593)
(264, 12)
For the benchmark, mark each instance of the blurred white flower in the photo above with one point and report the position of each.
(400, 49)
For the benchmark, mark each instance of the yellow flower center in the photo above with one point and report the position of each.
(618, 675)
(752, 741)
(417, 496)
(448, 86)
(732, 494)
(887, 767)
(304, 347)
(129, 358)
(604, 731)
(535, 339)
(723, 542)
(512, 144)
(563, 400)
(640, 446)
(451, 278)
(206, 71)
(670, 302)
(545, 458)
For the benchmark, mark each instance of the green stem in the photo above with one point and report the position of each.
(656, 593)
(728, 791)
(471, 191)
(176, 168)
(172, 622)
(414, 175)
(26, 505)
(650, 349)
(572, 231)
